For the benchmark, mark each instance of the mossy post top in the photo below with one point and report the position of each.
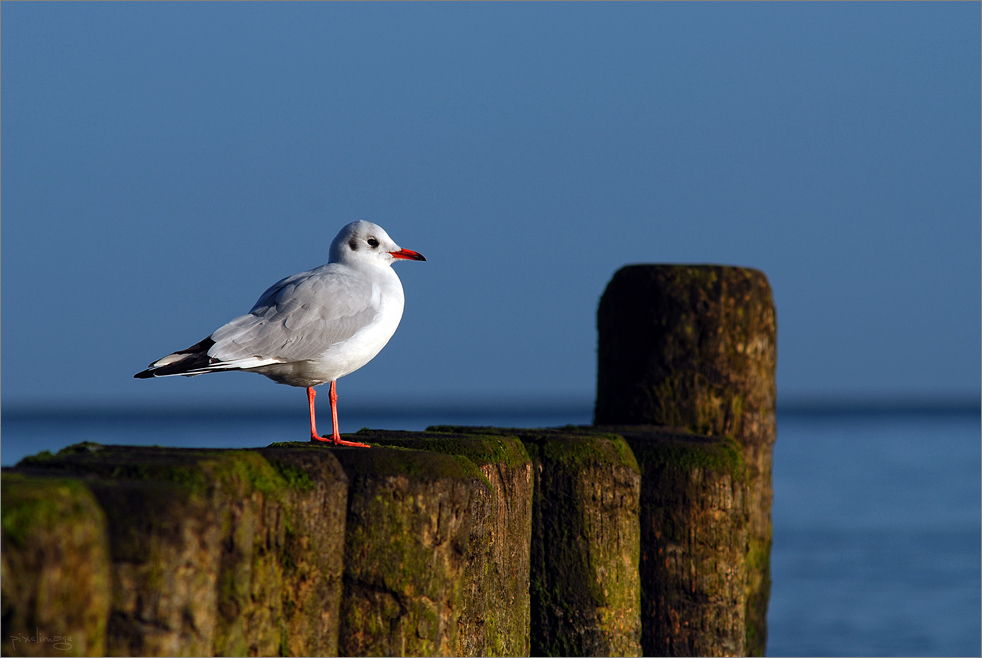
(689, 346)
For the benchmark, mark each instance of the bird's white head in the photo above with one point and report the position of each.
(364, 242)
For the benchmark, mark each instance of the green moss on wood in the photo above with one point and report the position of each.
(293, 476)
(684, 454)
(198, 469)
(30, 504)
(414, 464)
(481, 449)
(759, 589)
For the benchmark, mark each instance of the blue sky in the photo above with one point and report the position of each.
(164, 162)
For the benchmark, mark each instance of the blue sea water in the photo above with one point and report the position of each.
(877, 516)
(877, 536)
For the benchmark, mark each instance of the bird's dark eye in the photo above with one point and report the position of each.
(373, 243)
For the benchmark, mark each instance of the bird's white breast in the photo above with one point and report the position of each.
(346, 356)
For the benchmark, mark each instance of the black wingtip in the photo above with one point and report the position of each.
(193, 358)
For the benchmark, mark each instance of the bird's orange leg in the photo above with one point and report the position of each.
(311, 394)
(336, 436)
(332, 395)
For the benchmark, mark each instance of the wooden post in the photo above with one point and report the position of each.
(207, 552)
(493, 619)
(693, 347)
(585, 539)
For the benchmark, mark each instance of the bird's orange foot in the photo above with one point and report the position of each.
(337, 441)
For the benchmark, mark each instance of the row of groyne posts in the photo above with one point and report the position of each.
(648, 532)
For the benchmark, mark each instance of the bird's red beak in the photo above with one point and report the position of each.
(406, 253)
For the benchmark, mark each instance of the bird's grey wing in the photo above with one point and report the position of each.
(298, 318)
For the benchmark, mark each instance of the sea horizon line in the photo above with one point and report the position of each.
(473, 406)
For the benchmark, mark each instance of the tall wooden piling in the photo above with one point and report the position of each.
(693, 347)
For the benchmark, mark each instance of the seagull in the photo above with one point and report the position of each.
(313, 327)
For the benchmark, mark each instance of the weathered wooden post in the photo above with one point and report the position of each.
(441, 527)
(582, 587)
(56, 572)
(410, 516)
(585, 539)
(205, 552)
(693, 347)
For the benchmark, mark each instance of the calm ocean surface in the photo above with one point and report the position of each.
(877, 527)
